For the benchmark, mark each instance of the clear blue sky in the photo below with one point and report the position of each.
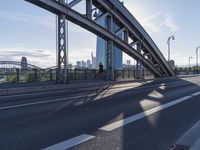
(27, 30)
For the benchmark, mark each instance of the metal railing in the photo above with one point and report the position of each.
(17, 75)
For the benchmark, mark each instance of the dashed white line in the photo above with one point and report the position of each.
(44, 102)
(70, 143)
(141, 115)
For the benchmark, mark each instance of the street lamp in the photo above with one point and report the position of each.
(197, 63)
(168, 43)
(189, 61)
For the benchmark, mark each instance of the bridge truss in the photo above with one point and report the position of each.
(135, 42)
(17, 65)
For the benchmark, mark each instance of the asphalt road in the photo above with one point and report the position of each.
(121, 116)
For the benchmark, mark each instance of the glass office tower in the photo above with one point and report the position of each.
(101, 49)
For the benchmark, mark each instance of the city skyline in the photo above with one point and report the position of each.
(39, 42)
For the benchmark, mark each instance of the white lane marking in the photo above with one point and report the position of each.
(141, 115)
(71, 142)
(195, 94)
(31, 94)
(189, 135)
(44, 102)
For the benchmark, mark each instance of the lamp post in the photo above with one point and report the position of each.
(189, 62)
(197, 63)
(168, 43)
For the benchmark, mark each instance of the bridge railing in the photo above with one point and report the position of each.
(17, 75)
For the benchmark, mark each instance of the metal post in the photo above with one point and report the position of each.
(109, 52)
(126, 36)
(95, 74)
(169, 51)
(17, 72)
(35, 75)
(51, 74)
(62, 53)
(197, 62)
(189, 62)
(89, 9)
(85, 74)
(138, 64)
(168, 42)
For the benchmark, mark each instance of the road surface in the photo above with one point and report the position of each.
(120, 116)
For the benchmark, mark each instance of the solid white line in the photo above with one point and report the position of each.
(195, 94)
(181, 140)
(141, 115)
(71, 142)
(44, 102)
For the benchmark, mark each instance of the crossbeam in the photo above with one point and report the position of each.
(73, 3)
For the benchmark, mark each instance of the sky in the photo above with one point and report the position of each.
(27, 30)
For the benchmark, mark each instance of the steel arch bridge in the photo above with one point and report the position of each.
(135, 42)
(17, 65)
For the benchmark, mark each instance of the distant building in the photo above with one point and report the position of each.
(101, 48)
(89, 65)
(70, 66)
(83, 64)
(78, 64)
(93, 61)
(24, 63)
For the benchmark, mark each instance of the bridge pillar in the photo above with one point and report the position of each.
(139, 68)
(61, 53)
(109, 51)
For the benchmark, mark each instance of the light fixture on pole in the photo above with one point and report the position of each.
(197, 63)
(168, 43)
(189, 61)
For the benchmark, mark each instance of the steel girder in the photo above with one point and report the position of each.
(61, 53)
(19, 64)
(90, 25)
(136, 31)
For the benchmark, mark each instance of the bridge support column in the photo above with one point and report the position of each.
(110, 52)
(61, 53)
(139, 70)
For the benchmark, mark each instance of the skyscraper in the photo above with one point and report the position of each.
(101, 48)
(24, 63)
(93, 61)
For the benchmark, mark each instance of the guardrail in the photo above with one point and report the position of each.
(34, 75)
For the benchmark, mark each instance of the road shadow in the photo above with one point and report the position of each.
(155, 132)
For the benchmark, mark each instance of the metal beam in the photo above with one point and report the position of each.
(61, 54)
(89, 9)
(120, 31)
(157, 56)
(138, 64)
(73, 3)
(109, 51)
(91, 26)
(134, 43)
(101, 16)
